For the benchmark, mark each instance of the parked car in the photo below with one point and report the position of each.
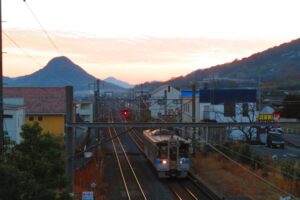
(275, 140)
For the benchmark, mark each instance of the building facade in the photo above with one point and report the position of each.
(228, 105)
(85, 110)
(15, 118)
(164, 102)
(187, 106)
(45, 105)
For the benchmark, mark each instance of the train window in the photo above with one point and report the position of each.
(183, 150)
(163, 151)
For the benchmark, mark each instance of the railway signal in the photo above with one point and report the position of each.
(125, 113)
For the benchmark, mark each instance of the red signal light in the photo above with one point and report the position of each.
(125, 113)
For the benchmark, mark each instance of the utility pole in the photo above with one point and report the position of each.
(194, 114)
(97, 98)
(70, 142)
(1, 86)
(96, 101)
(166, 104)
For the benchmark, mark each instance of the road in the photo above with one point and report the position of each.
(293, 139)
(287, 152)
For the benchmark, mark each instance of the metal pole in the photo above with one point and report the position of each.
(98, 99)
(166, 103)
(1, 87)
(194, 115)
(69, 140)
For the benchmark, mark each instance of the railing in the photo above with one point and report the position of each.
(291, 130)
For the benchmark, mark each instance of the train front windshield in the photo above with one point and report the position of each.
(163, 150)
(183, 150)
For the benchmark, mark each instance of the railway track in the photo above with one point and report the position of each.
(136, 139)
(186, 189)
(132, 187)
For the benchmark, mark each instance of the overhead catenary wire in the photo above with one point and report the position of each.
(260, 162)
(19, 47)
(42, 28)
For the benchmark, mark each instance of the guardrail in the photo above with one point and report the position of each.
(291, 130)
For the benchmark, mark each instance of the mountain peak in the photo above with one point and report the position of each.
(59, 72)
(61, 60)
(117, 82)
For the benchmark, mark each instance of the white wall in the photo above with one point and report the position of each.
(187, 109)
(216, 112)
(85, 110)
(173, 102)
(15, 108)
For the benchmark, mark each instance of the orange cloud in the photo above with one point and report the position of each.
(131, 59)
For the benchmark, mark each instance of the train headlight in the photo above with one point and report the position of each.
(181, 162)
(164, 162)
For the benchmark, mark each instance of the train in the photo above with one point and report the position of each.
(167, 152)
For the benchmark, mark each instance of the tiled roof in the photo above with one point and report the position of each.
(47, 100)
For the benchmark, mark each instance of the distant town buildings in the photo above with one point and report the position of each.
(228, 105)
(45, 105)
(186, 108)
(164, 102)
(84, 109)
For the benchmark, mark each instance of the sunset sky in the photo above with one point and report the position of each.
(144, 40)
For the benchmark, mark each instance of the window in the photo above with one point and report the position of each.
(84, 106)
(162, 150)
(40, 118)
(31, 118)
(229, 109)
(169, 88)
(245, 109)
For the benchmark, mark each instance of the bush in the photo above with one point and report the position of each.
(290, 169)
(246, 154)
(257, 162)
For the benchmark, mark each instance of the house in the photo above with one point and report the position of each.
(186, 109)
(164, 102)
(85, 110)
(12, 124)
(45, 105)
(228, 105)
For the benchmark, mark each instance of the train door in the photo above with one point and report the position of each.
(173, 154)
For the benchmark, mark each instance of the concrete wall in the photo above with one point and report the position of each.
(15, 108)
(157, 105)
(53, 124)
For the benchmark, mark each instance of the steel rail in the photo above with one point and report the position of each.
(133, 138)
(120, 167)
(131, 168)
(190, 192)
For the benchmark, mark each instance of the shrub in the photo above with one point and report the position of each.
(246, 153)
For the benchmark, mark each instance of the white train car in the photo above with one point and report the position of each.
(167, 152)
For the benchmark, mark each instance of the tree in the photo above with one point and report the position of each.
(240, 112)
(33, 169)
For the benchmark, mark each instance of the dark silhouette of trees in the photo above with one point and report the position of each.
(291, 106)
(33, 169)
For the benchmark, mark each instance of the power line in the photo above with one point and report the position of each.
(250, 172)
(37, 20)
(23, 50)
(260, 162)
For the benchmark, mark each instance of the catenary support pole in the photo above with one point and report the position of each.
(69, 140)
(1, 86)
